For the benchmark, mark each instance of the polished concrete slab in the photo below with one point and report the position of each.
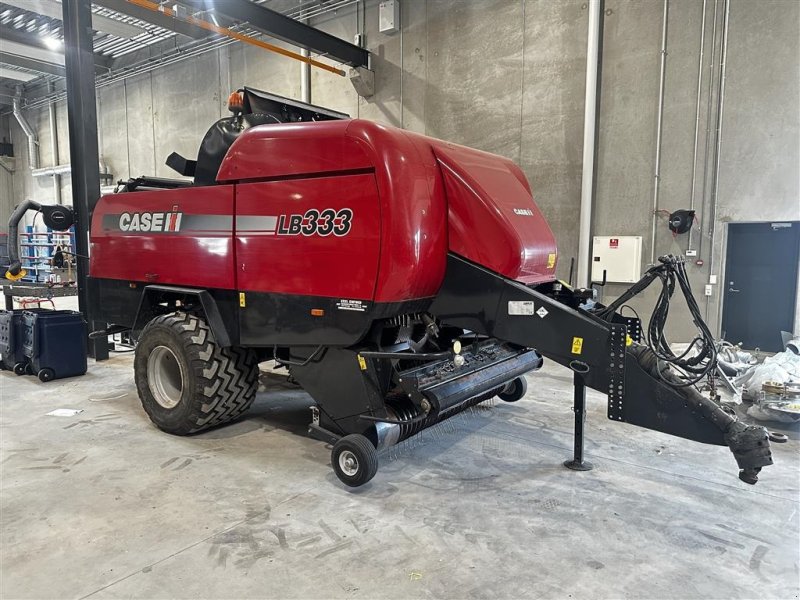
(103, 505)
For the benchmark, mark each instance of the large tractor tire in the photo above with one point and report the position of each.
(188, 383)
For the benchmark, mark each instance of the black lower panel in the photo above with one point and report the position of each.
(134, 303)
(268, 319)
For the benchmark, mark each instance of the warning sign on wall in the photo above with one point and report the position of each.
(613, 243)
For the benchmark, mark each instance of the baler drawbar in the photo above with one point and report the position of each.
(400, 280)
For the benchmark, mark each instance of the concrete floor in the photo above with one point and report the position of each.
(103, 505)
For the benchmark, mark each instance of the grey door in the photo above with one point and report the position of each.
(760, 285)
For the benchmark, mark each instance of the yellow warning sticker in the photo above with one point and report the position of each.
(362, 363)
(628, 340)
(242, 302)
(551, 260)
(577, 345)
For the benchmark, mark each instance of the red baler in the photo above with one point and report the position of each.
(400, 279)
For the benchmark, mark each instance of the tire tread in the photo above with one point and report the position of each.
(226, 379)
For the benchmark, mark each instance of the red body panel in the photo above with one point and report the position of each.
(199, 254)
(412, 198)
(292, 149)
(332, 266)
(413, 212)
(492, 217)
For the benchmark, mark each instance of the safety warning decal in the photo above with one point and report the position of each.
(356, 305)
(242, 300)
(523, 308)
(551, 260)
(542, 312)
(577, 345)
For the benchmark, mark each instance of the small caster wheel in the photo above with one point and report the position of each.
(29, 369)
(514, 390)
(46, 374)
(19, 369)
(354, 460)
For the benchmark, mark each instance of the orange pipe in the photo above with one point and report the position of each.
(236, 36)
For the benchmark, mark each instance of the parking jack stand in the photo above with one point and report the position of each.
(579, 408)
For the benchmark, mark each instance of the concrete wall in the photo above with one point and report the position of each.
(507, 76)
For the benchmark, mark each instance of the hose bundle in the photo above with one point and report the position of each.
(699, 360)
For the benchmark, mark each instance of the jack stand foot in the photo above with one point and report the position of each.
(575, 465)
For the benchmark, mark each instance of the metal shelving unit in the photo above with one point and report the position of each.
(36, 253)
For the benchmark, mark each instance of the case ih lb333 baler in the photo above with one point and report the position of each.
(401, 279)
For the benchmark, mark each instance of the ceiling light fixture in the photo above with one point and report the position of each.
(52, 43)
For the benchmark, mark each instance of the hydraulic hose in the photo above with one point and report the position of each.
(672, 271)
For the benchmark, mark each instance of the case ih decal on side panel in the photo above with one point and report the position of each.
(169, 222)
(166, 230)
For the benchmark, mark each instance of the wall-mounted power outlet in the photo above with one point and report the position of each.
(712, 279)
(691, 253)
(708, 290)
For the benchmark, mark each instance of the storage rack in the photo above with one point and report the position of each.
(37, 249)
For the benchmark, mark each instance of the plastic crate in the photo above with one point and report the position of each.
(11, 335)
(54, 343)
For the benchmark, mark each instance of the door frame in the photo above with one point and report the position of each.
(723, 262)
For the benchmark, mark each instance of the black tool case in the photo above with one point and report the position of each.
(54, 343)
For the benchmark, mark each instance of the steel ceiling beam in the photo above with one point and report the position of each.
(285, 28)
(17, 75)
(52, 9)
(31, 64)
(26, 45)
(158, 19)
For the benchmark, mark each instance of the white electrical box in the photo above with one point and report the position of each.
(620, 256)
(389, 16)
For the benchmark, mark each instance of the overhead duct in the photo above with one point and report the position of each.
(33, 141)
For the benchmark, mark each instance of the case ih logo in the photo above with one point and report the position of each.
(524, 212)
(151, 221)
(321, 222)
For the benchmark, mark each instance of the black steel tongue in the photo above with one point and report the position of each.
(750, 447)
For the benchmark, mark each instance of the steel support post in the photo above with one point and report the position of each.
(83, 147)
(579, 408)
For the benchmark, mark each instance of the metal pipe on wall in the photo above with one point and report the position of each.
(65, 170)
(659, 130)
(718, 149)
(30, 134)
(709, 105)
(51, 111)
(589, 135)
(305, 79)
(697, 114)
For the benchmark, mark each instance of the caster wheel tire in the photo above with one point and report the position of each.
(29, 369)
(514, 390)
(354, 460)
(46, 375)
(19, 369)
